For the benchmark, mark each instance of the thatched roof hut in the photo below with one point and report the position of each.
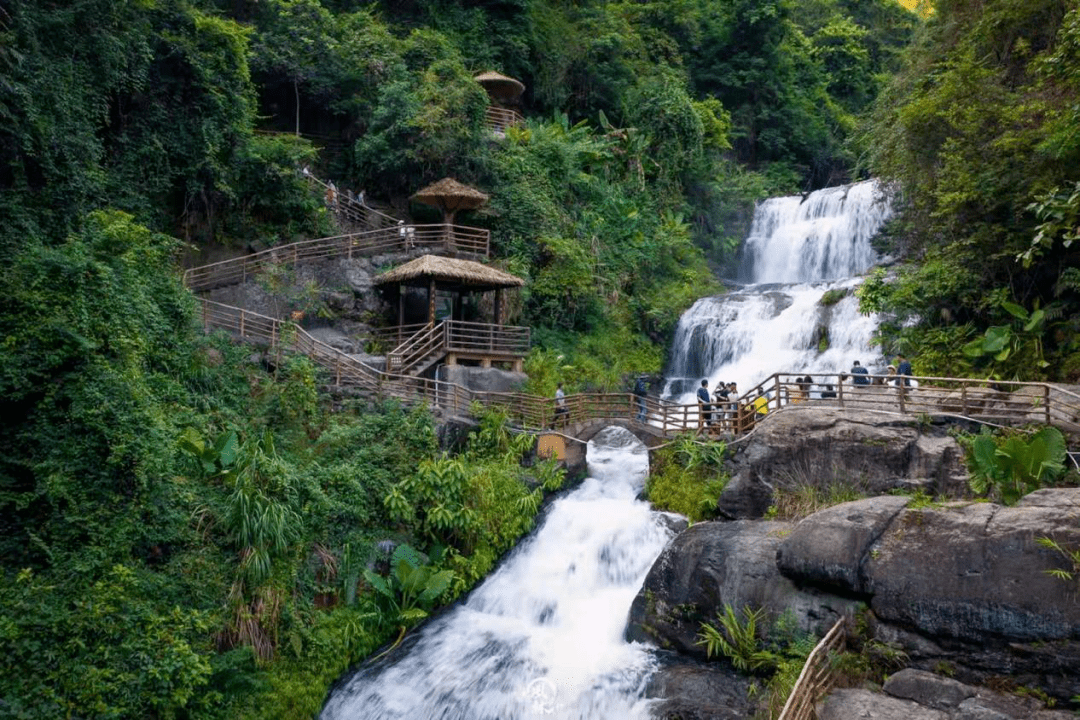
(450, 196)
(499, 87)
(450, 272)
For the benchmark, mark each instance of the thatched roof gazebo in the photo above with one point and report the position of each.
(499, 87)
(452, 274)
(450, 196)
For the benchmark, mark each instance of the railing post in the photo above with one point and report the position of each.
(241, 323)
(963, 399)
(1046, 402)
(903, 394)
(776, 385)
(840, 390)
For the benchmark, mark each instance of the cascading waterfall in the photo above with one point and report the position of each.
(799, 248)
(543, 635)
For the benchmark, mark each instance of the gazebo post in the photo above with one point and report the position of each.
(431, 302)
(400, 312)
(498, 306)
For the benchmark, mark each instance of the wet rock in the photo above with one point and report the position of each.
(713, 564)
(480, 379)
(915, 694)
(928, 689)
(698, 691)
(853, 703)
(975, 571)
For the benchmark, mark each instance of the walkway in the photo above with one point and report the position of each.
(1004, 403)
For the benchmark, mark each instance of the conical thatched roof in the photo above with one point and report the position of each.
(499, 86)
(467, 273)
(450, 196)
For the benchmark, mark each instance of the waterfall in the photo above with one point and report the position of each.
(798, 250)
(543, 635)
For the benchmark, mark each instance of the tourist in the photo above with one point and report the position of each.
(828, 393)
(720, 400)
(733, 400)
(859, 374)
(640, 391)
(561, 411)
(903, 369)
(704, 403)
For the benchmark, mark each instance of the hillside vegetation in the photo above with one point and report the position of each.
(185, 527)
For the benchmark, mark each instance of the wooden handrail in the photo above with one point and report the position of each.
(531, 412)
(816, 678)
(497, 119)
(428, 340)
(454, 238)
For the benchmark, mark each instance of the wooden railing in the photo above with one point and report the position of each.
(1028, 403)
(354, 212)
(997, 401)
(816, 678)
(487, 339)
(389, 338)
(281, 335)
(456, 336)
(497, 119)
(452, 238)
(423, 344)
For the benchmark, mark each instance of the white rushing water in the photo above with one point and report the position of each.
(798, 249)
(543, 636)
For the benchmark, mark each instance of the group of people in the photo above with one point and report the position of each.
(898, 374)
(724, 402)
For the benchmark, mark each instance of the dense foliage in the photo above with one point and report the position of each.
(978, 132)
(190, 531)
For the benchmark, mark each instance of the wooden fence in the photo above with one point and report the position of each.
(816, 678)
(449, 238)
(1026, 403)
(997, 401)
(497, 119)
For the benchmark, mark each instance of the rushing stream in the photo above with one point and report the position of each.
(798, 249)
(543, 636)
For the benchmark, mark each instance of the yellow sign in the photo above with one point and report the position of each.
(551, 446)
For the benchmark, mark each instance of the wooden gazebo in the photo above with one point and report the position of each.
(503, 91)
(461, 339)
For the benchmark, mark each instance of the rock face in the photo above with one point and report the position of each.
(713, 564)
(918, 695)
(697, 691)
(965, 585)
(872, 451)
(483, 379)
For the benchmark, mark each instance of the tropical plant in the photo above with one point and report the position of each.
(739, 641)
(1012, 467)
(409, 590)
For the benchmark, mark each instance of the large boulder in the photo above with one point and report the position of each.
(713, 564)
(918, 695)
(807, 444)
(692, 690)
(964, 584)
(831, 547)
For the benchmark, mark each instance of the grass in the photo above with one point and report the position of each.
(804, 499)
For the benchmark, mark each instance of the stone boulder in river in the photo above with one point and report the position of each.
(714, 563)
(965, 585)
